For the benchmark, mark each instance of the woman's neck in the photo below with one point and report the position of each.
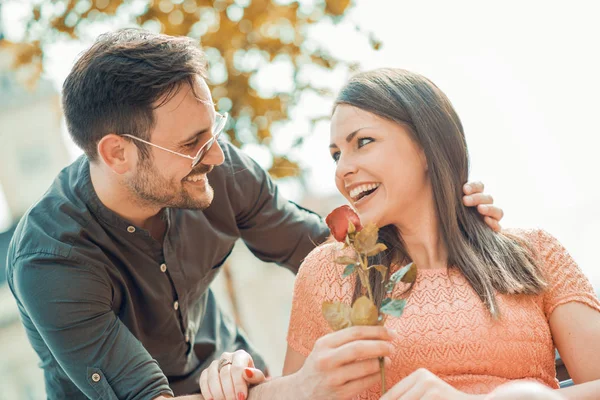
(420, 232)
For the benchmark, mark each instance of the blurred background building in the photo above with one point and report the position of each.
(521, 76)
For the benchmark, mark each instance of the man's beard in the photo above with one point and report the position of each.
(149, 188)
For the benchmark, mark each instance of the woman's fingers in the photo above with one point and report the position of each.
(240, 360)
(214, 381)
(253, 376)
(204, 389)
(339, 338)
(359, 370)
(359, 350)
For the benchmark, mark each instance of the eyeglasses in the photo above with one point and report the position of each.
(218, 127)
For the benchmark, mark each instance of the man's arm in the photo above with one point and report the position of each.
(273, 228)
(69, 306)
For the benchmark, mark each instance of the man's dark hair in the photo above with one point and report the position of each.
(116, 84)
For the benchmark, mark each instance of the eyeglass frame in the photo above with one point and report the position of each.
(219, 127)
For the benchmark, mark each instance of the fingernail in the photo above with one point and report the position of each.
(241, 396)
(483, 207)
(468, 188)
(468, 199)
(249, 373)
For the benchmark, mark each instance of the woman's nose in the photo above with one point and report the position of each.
(345, 166)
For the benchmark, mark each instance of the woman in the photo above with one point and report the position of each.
(487, 309)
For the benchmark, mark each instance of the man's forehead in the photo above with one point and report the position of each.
(186, 95)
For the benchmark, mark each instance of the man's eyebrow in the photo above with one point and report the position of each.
(195, 135)
(349, 137)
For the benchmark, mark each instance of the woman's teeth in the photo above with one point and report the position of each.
(359, 191)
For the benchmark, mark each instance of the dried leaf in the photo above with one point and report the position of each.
(364, 312)
(394, 307)
(406, 274)
(366, 239)
(349, 270)
(345, 260)
(382, 269)
(378, 248)
(337, 315)
(351, 228)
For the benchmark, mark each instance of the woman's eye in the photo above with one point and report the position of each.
(364, 141)
(335, 156)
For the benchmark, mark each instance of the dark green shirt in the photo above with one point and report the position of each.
(113, 313)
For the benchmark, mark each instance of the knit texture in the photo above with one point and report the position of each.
(445, 326)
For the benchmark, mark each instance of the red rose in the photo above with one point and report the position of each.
(338, 220)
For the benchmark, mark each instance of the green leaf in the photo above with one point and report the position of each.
(350, 268)
(394, 308)
(406, 274)
(389, 287)
(345, 260)
(337, 315)
(382, 269)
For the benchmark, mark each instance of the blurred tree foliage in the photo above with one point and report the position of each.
(238, 36)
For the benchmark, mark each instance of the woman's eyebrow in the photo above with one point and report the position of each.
(350, 136)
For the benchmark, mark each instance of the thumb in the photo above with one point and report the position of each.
(253, 376)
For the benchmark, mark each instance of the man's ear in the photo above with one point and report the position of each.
(117, 153)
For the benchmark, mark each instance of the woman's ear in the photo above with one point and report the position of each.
(117, 153)
(423, 159)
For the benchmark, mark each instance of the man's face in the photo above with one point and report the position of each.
(183, 125)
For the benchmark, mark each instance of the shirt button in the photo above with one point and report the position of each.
(131, 229)
(163, 267)
(176, 305)
(96, 377)
(187, 338)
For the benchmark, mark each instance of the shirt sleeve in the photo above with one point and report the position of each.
(566, 281)
(273, 228)
(319, 279)
(69, 307)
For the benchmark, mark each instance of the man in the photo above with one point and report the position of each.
(111, 268)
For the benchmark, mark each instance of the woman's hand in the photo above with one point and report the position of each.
(524, 391)
(230, 380)
(424, 385)
(343, 364)
(474, 196)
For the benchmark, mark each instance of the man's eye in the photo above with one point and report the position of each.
(191, 145)
(335, 156)
(364, 141)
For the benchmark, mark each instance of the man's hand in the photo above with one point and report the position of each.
(231, 380)
(474, 196)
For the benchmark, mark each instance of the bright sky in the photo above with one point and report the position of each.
(524, 79)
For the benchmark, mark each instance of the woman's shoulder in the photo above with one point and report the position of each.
(537, 239)
(324, 255)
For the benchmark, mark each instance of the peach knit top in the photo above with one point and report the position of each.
(445, 326)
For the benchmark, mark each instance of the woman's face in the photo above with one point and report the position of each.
(380, 169)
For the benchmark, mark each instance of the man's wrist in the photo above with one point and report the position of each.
(284, 387)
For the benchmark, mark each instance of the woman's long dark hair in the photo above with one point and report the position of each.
(489, 261)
